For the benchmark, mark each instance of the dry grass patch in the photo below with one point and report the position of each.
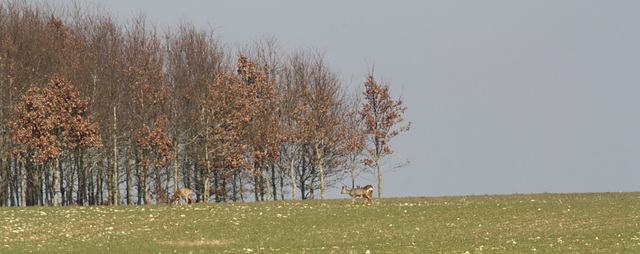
(195, 243)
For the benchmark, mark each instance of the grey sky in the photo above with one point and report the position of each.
(505, 96)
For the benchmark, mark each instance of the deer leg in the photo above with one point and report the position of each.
(367, 198)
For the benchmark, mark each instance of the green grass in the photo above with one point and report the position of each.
(544, 223)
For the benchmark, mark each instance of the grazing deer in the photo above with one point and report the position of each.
(366, 192)
(182, 193)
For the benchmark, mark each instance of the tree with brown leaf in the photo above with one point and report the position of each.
(155, 147)
(381, 114)
(52, 120)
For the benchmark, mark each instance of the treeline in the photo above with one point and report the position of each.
(95, 112)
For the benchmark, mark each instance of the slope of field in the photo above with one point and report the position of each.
(545, 223)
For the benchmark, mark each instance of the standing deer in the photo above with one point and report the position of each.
(366, 192)
(182, 193)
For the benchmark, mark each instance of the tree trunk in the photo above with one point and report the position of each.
(175, 165)
(116, 176)
(15, 183)
(140, 188)
(91, 200)
(145, 184)
(82, 184)
(273, 181)
(240, 186)
(56, 182)
(281, 176)
(205, 194)
(293, 179)
(206, 158)
(158, 183)
(216, 185)
(129, 183)
(379, 177)
(23, 183)
(206, 180)
(69, 177)
(99, 184)
(353, 173)
(303, 184)
(319, 158)
(256, 187)
(167, 183)
(223, 187)
(266, 171)
(234, 186)
(4, 180)
(312, 186)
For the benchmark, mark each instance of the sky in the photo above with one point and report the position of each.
(504, 96)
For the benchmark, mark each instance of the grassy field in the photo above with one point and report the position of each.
(545, 223)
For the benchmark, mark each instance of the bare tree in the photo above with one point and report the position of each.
(104, 78)
(353, 137)
(316, 115)
(194, 59)
(148, 98)
(289, 112)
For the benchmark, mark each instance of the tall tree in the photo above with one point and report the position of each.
(148, 96)
(194, 59)
(325, 103)
(103, 77)
(316, 116)
(381, 114)
(290, 115)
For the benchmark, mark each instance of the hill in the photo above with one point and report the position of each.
(545, 223)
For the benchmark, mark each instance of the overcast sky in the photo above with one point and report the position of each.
(505, 96)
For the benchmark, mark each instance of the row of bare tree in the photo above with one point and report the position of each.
(93, 112)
